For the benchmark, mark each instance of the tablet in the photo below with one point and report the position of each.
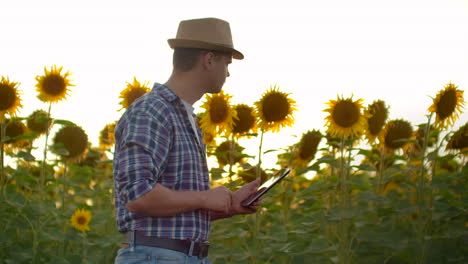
(264, 188)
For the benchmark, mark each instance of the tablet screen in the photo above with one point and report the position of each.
(264, 188)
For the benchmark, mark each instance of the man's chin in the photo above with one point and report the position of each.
(215, 90)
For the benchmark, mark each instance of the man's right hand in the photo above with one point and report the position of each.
(218, 199)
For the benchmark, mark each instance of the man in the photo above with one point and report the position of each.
(163, 200)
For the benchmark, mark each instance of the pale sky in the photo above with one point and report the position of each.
(399, 51)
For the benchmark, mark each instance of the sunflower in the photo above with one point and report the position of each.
(93, 157)
(80, 220)
(15, 128)
(219, 115)
(10, 101)
(447, 105)
(459, 139)
(133, 91)
(53, 86)
(245, 121)
(106, 136)
(378, 114)
(228, 152)
(307, 147)
(73, 139)
(376, 158)
(208, 138)
(346, 118)
(39, 122)
(250, 174)
(395, 134)
(275, 110)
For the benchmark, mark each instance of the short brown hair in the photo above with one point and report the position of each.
(184, 59)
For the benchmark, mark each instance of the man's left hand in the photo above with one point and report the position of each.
(243, 193)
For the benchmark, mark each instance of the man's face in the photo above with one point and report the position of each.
(219, 72)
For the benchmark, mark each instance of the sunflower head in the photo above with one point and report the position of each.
(93, 156)
(307, 147)
(250, 174)
(275, 110)
(447, 105)
(39, 122)
(208, 138)
(80, 220)
(345, 117)
(459, 139)
(396, 133)
(133, 91)
(228, 152)
(420, 135)
(106, 136)
(53, 85)
(74, 140)
(15, 128)
(219, 115)
(373, 157)
(10, 100)
(245, 122)
(377, 114)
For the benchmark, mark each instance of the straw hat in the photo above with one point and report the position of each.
(205, 33)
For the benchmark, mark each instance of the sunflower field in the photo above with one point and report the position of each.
(363, 188)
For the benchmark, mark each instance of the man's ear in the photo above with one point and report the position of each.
(207, 60)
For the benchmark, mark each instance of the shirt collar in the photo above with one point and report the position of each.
(165, 92)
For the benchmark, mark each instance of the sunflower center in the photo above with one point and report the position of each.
(228, 152)
(275, 107)
(54, 84)
(81, 220)
(74, 140)
(245, 122)
(14, 129)
(7, 97)
(345, 113)
(308, 145)
(218, 110)
(447, 104)
(39, 122)
(396, 133)
(379, 116)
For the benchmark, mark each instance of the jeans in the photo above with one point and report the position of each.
(154, 255)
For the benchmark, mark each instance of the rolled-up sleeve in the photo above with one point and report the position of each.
(144, 144)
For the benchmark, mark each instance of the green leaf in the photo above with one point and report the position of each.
(26, 156)
(365, 167)
(216, 173)
(64, 122)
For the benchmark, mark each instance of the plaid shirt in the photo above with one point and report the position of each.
(155, 143)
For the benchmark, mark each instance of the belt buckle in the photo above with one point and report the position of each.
(203, 252)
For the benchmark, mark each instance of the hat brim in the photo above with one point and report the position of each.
(189, 43)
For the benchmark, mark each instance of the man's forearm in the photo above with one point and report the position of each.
(161, 201)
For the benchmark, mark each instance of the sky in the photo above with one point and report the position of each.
(400, 51)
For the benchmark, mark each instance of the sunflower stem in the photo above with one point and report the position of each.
(259, 164)
(85, 248)
(2, 153)
(231, 157)
(422, 220)
(380, 170)
(344, 249)
(257, 214)
(44, 160)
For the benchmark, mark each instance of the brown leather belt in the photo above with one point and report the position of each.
(189, 247)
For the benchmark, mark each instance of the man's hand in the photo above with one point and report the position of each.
(243, 193)
(218, 199)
